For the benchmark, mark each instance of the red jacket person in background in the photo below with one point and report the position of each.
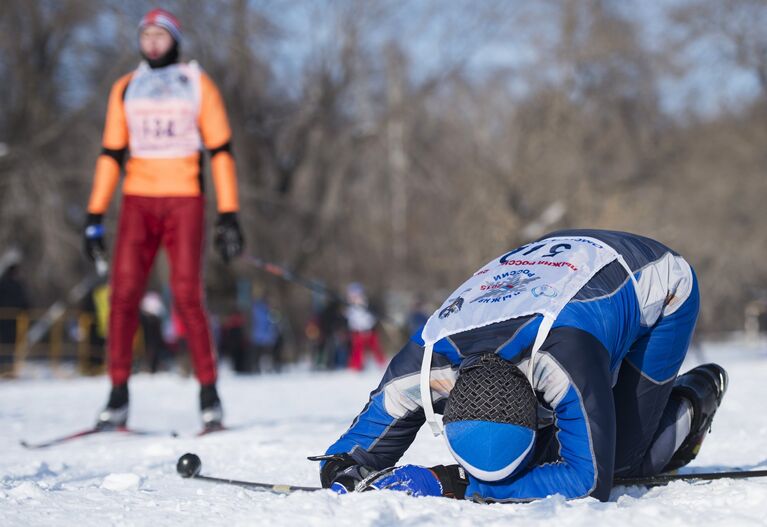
(162, 114)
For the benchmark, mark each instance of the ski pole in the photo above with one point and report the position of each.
(189, 466)
(286, 274)
(40, 328)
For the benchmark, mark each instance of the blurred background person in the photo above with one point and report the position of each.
(96, 306)
(363, 333)
(418, 315)
(333, 336)
(13, 300)
(265, 335)
(232, 340)
(152, 313)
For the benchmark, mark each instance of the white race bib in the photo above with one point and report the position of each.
(538, 278)
(162, 107)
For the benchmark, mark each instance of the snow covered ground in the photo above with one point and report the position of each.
(278, 420)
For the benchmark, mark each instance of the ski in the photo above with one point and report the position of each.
(212, 430)
(91, 431)
(221, 428)
(664, 479)
(189, 466)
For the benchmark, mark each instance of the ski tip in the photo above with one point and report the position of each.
(35, 446)
(211, 430)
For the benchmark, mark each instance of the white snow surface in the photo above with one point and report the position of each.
(278, 420)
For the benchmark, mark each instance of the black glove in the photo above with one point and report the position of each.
(93, 236)
(454, 480)
(340, 472)
(228, 239)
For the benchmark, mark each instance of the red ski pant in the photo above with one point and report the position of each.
(360, 341)
(145, 223)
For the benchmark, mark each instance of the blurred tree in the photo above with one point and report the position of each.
(402, 144)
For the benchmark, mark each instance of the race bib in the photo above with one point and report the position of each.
(162, 108)
(538, 278)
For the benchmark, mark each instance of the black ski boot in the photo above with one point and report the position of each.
(210, 408)
(115, 415)
(704, 386)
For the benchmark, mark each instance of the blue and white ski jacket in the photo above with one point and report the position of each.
(573, 373)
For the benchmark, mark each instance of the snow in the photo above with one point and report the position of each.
(278, 420)
(120, 482)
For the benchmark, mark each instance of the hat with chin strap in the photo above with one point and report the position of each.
(490, 419)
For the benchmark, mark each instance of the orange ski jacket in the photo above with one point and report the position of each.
(164, 118)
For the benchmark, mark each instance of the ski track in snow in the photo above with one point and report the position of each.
(278, 420)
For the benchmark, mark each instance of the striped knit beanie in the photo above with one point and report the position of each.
(163, 19)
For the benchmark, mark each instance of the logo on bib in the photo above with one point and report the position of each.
(454, 306)
(544, 290)
(504, 289)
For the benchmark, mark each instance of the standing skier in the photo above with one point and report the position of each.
(163, 114)
(555, 368)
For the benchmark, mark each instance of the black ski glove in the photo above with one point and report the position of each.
(228, 239)
(93, 236)
(341, 472)
(454, 480)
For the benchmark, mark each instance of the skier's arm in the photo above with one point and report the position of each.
(217, 137)
(572, 372)
(114, 146)
(390, 420)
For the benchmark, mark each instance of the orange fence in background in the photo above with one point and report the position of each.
(70, 340)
